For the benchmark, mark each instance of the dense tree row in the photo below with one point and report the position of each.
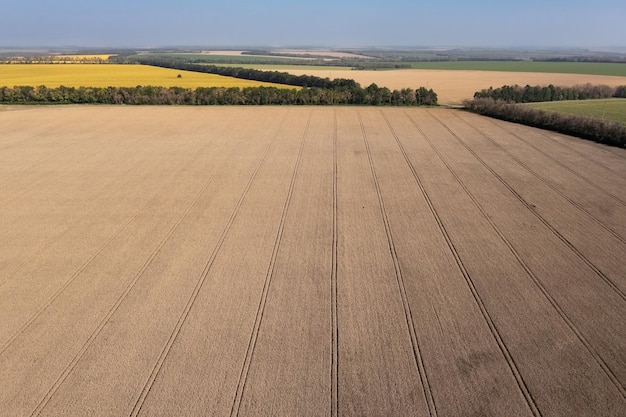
(372, 95)
(531, 94)
(608, 132)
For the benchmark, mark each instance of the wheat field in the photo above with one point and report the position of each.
(307, 261)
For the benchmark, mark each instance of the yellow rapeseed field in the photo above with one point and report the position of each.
(114, 75)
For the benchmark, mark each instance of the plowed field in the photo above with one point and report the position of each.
(221, 261)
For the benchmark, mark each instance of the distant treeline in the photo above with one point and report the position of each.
(372, 95)
(53, 59)
(603, 131)
(341, 90)
(594, 59)
(313, 56)
(379, 65)
(528, 94)
(250, 74)
(221, 59)
(358, 63)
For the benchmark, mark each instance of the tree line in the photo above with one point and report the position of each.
(352, 91)
(276, 77)
(312, 90)
(532, 94)
(53, 59)
(372, 95)
(603, 131)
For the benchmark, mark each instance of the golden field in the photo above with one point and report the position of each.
(307, 261)
(114, 75)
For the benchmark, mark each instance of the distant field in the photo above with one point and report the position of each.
(590, 68)
(281, 67)
(214, 58)
(113, 75)
(612, 109)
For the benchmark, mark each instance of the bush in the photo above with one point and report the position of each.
(528, 94)
(607, 132)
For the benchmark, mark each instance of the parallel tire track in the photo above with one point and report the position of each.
(556, 161)
(571, 149)
(417, 354)
(546, 182)
(62, 233)
(563, 239)
(76, 274)
(89, 260)
(31, 188)
(537, 282)
(334, 369)
(35, 254)
(523, 387)
(194, 295)
(70, 367)
(243, 376)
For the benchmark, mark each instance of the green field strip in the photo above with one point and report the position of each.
(608, 109)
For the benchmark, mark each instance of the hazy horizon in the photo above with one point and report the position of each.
(277, 23)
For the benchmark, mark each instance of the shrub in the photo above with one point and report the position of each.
(607, 132)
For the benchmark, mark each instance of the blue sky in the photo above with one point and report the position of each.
(345, 23)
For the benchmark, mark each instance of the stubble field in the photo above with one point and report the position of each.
(307, 261)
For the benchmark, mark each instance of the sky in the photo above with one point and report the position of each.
(339, 23)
